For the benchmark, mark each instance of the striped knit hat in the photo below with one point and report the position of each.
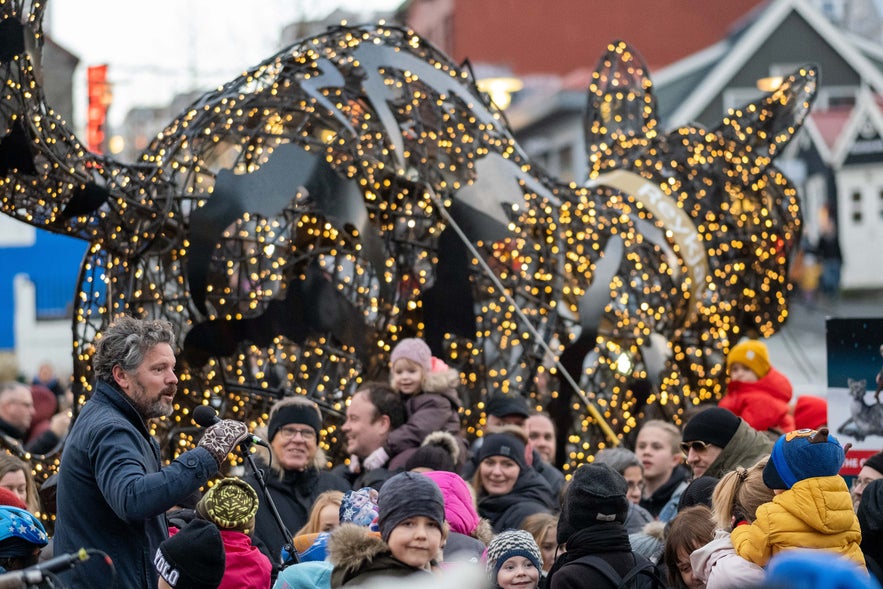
(511, 543)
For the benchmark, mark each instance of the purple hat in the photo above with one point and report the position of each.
(415, 350)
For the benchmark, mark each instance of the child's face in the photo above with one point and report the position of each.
(407, 377)
(416, 541)
(741, 373)
(329, 517)
(547, 548)
(518, 572)
(686, 570)
(655, 451)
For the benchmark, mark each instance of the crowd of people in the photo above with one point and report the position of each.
(747, 493)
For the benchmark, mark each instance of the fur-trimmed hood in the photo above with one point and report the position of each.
(359, 555)
(441, 380)
(446, 441)
(351, 546)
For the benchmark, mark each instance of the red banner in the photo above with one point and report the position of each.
(855, 459)
(99, 101)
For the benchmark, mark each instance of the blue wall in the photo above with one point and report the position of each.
(53, 264)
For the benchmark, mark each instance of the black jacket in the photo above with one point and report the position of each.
(655, 502)
(366, 478)
(609, 541)
(870, 518)
(531, 494)
(293, 495)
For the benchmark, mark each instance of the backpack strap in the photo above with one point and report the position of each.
(642, 566)
(600, 565)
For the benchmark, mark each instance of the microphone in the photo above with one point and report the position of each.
(38, 573)
(207, 417)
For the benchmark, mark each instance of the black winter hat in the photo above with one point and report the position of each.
(875, 462)
(283, 415)
(503, 404)
(596, 494)
(193, 558)
(698, 492)
(503, 444)
(713, 426)
(433, 457)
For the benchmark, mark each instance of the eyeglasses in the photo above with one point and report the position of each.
(858, 483)
(289, 433)
(696, 446)
(633, 486)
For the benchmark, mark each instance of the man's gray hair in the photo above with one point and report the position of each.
(125, 343)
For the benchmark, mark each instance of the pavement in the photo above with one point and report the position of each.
(799, 349)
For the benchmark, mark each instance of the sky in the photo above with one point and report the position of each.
(159, 48)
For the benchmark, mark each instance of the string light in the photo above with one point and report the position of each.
(288, 225)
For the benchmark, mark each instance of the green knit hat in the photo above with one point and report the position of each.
(230, 504)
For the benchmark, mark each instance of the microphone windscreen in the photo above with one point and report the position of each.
(205, 416)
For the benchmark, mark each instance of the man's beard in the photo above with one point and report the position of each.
(148, 409)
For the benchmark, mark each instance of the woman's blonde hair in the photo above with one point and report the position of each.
(324, 499)
(10, 463)
(740, 492)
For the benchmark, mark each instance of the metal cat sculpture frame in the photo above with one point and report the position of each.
(357, 188)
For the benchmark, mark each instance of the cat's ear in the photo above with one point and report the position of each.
(621, 108)
(764, 127)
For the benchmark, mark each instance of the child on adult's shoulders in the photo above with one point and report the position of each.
(812, 507)
(428, 388)
(757, 392)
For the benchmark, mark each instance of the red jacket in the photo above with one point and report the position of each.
(247, 567)
(763, 404)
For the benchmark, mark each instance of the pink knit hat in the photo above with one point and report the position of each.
(415, 350)
(459, 507)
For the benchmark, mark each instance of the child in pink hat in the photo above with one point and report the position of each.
(429, 392)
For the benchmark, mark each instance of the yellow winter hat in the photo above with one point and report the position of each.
(750, 353)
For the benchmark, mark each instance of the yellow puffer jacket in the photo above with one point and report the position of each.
(814, 513)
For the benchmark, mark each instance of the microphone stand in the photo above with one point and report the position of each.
(288, 546)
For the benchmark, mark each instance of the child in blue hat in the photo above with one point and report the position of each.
(812, 507)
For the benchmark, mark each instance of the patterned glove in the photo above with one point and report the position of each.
(221, 438)
(375, 459)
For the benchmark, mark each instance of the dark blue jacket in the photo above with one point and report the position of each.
(113, 492)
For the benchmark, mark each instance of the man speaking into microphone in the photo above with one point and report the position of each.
(113, 491)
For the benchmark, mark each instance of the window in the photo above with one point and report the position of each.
(856, 207)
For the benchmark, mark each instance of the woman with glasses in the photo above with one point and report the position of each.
(294, 472)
